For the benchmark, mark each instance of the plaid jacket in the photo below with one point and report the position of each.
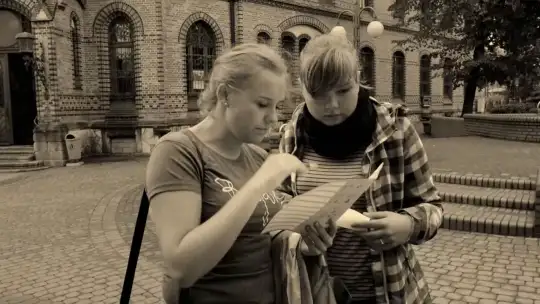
(404, 185)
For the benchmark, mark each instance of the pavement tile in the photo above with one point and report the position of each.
(65, 235)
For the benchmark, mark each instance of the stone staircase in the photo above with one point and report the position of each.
(18, 159)
(489, 205)
(475, 203)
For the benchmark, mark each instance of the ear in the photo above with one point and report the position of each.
(221, 93)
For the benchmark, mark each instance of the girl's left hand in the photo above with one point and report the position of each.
(386, 229)
(316, 239)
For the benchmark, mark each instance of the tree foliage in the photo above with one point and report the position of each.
(473, 35)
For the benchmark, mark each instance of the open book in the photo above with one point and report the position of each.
(329, 201)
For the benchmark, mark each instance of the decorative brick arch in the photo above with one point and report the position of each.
(182, 37)
(200, 16)
(287, 33)
(27, 8)
(113, 10)
(100, 36)
(305, 36)
(369, 45)
(422, 53)
(303, 20)
(263, 28)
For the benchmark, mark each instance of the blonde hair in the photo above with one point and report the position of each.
(327, 62)
(236, 67)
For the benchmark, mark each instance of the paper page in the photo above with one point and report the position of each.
(328, 201)
(351, 217)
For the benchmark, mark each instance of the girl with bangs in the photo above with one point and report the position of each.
(348, 133)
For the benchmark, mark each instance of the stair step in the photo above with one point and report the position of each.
(22, 169)
(23, 149)
(15, 156)
(489, 197)
(20, 164)
(16, 151)
(522, 183)
(492, 220)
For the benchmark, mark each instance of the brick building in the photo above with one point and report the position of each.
(128, 71)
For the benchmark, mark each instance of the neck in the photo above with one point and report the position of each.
(220, 139)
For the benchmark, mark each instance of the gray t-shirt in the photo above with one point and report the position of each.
(244, 275)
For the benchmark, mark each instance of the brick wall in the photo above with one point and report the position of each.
(160, 28)
(519, 127)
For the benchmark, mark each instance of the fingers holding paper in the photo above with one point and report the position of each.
(385, 230)
(317, 239)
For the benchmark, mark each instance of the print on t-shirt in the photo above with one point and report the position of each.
(272, 198)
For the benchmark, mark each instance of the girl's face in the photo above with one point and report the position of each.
(252, 110)
(335, 105)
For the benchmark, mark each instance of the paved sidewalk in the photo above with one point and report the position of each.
(492, 157)
(65, 234)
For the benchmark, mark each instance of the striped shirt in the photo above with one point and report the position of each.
(349, 258)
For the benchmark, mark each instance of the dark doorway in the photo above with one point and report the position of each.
(23, 100)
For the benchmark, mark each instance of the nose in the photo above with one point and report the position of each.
(272, 116)
(332, 106)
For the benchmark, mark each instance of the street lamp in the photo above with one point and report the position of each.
(374, 29)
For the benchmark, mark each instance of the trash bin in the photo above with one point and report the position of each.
(74, 147)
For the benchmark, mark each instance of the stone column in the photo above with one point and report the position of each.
(49, 133)
(46, 74)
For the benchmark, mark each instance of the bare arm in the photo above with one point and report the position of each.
(174, 178)
(192, 249)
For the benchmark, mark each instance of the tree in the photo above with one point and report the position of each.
(488, 41)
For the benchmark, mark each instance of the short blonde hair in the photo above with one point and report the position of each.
(236, 67)
(328, 62)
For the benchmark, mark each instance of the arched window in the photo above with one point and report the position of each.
(76, 52)
(425, 76)
(302, 43)
(367, 61)
(287, 46)
(448, 81)
(200, 56)
(122, 59)
(398, 75)
(263, 38)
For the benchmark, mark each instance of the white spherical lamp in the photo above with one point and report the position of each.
(375, 29)
(339, 30)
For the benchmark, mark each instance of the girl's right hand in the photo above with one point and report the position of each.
(275, 169)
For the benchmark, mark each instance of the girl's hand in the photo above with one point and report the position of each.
(275, 169)
(386, 229)
(317, 239)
